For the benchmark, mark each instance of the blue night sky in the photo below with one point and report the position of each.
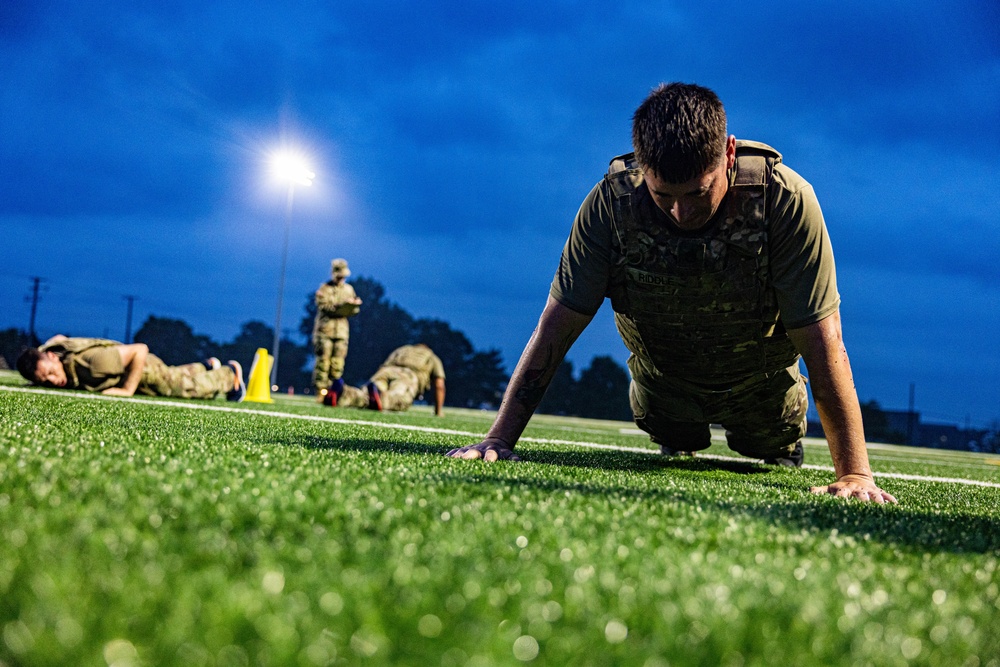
(453, 143)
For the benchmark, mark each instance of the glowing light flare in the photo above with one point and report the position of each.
(292, 167)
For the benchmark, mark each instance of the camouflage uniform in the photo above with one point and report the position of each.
(406, 374)
(187, 381)
(93, 364)
(699, 310)
(330, 329)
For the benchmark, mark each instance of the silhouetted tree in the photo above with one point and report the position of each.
(253, 335)
(291, 366)
(991, 441)
(307, 321)
(13, 342)
(474, 377)
(292, 357)
(174, 341)
(560, 397)
(379, 328)
(484, 382)
(602, 391)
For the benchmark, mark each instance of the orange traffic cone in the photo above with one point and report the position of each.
(259, 387)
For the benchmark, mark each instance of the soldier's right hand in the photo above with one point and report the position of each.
(491, 449)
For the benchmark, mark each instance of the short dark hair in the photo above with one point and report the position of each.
(27, 364)
(679, 131)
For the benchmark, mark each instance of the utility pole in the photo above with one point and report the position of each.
(911, 416)
(35, 289)
(281, 284)
(128, 317)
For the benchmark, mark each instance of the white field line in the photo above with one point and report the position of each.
(193, 405)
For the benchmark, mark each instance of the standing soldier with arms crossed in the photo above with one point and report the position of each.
(335, 302)
(719, 269)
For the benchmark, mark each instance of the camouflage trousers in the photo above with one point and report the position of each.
(764, 416)
(330, 355)
(397, 385)
(187, 381)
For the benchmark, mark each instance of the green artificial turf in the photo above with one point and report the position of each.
(149, 532)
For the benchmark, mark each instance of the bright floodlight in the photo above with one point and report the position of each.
(292, 167)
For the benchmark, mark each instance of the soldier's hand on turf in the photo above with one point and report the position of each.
(491, 449)
(856, 486)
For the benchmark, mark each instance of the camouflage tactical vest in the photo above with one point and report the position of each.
(419, 359)
(700, 307)
(67, 351)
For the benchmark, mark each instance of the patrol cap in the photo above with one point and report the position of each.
(339, 268)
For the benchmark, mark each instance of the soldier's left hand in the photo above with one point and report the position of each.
(856, 486)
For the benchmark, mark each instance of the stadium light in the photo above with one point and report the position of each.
(292, 168)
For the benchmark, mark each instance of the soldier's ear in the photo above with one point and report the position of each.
(731, 151)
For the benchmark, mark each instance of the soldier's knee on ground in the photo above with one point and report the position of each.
(678, 436)
(767, 445)
(664, 428)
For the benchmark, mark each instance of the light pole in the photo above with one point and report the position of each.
(128, 317)
(292, 168)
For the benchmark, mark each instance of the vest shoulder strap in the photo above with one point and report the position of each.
(624, 174)
(754, 162)
(76, 345)
(622, 163)
(744, 147)
(750, 170)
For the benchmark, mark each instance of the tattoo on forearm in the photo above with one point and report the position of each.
(536, 380)
(531, 392)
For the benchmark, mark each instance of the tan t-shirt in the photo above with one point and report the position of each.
(803, 274)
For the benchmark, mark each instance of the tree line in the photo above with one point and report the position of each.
(475, 378)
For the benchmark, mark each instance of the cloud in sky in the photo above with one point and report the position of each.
(454, 143)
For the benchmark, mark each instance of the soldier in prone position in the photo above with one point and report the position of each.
(117, 369)
(717, 262)
(405, 375)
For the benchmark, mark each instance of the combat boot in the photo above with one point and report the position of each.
(374, 397)
(239, 390)
(793, 460)
(333, 394)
